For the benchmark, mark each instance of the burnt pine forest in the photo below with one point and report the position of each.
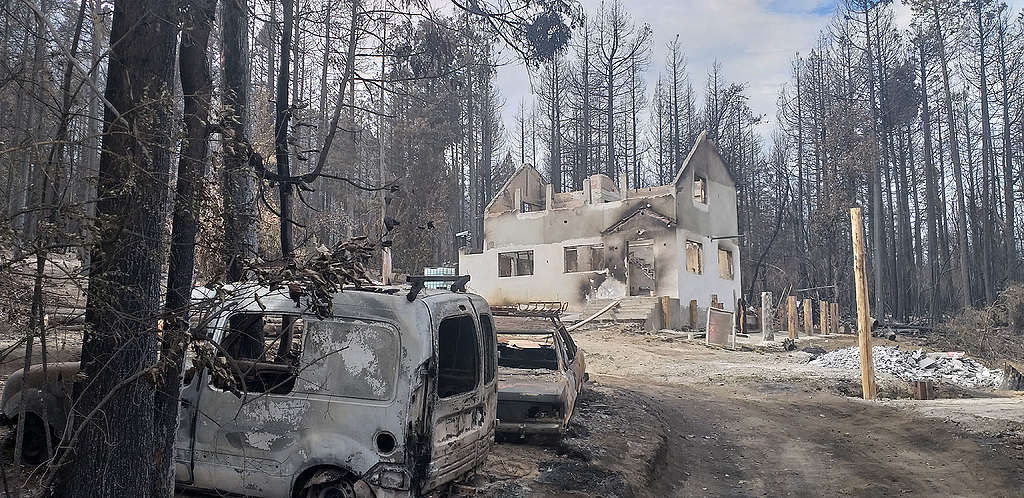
(151, 146)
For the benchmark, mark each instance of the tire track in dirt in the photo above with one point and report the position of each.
(743, 441)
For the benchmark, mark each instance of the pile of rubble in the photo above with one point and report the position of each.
(949, 368)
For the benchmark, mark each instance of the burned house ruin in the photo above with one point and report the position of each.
(605, 242)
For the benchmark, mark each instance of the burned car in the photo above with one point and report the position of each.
(394, 394)
(540, 370)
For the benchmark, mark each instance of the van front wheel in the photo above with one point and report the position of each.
(337, 489)
(33, 449)
(334, 483)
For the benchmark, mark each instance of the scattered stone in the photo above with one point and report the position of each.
(913, 366)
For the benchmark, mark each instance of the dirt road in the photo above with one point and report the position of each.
(673, 418)
(667, 417)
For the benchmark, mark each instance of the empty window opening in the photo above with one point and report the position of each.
(457, 356)
(487, 331)
(571, 260)
(584, 258)
(526, 207)
(694, 257)
(266, 349)
(700, 192)
(527, 351)
(515, 264)
(725, 266)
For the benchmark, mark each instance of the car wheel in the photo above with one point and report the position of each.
(33, 448)
(336, 489)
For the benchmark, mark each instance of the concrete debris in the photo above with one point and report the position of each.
(917, 365)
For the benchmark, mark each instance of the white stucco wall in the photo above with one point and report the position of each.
(702, 287)
(702, 222)
(549, 281)
(570, 221)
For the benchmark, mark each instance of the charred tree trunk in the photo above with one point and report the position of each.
(282, 115)
(1010, 229)
(954, 153)
(240, 219)
(987, 165)
(933, 205)
(110, 450)
(197, 89)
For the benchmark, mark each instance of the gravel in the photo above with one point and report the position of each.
(949, 368)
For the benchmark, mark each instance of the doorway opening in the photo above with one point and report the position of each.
(642, 273)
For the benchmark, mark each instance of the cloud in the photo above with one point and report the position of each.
(753, 39)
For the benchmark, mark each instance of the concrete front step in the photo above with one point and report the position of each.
(632, 308)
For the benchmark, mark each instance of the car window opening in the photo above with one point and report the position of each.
(570, 346)
(457, 353)
(266, 349)
(526, 353)
(487, 331)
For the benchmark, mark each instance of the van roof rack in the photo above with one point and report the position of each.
(418, 283)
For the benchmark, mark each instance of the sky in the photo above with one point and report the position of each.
(755, 41)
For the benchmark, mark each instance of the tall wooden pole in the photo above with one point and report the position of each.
(791, 316)
(835, 318)
(867, 369)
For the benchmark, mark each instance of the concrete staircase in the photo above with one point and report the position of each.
(641, 310)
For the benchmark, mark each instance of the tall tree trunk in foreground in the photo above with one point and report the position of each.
(282, 113)
(197, 88)
(111, 447)
(239, 181)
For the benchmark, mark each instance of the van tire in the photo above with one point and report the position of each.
(33, 448)
(336, 489)
(341, 489)
(331, 482)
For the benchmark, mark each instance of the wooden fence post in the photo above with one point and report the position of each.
(693, 314)
(808, 317)
(791, 316)
(767, 317)
(823, 316)
(835, 318)
(666, 313)
(867, 368)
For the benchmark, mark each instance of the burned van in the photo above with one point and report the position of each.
(394, 394)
